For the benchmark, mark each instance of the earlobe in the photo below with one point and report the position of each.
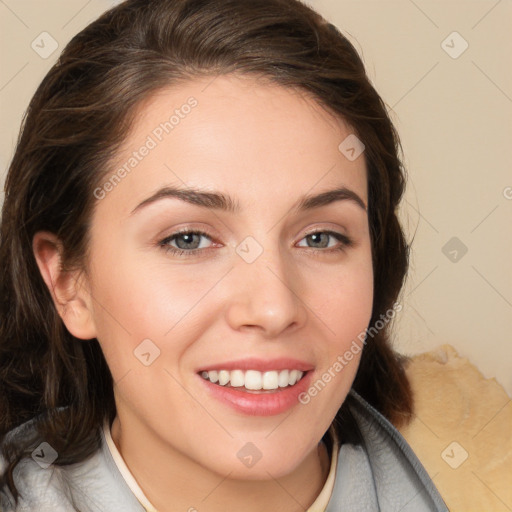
(71, 298)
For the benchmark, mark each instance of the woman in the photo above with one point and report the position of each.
(200, 258)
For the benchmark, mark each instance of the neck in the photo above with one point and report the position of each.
(175, 482)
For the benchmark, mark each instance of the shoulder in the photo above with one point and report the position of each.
(38, 482)
(92, 485)
(382, 471)
(40, 489)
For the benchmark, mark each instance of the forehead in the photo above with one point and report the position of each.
(241, 134)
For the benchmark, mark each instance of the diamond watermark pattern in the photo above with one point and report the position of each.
(44, 45)
(454, 45)
(351, 147)
(249, 249)
(146, 352)
(454, 249)
(454, 455)
(44, 455)
(249, 454)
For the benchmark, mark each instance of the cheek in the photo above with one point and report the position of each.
(135, 301)
(345, 300)
(344, 309)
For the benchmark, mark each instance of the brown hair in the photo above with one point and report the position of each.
(75, 123)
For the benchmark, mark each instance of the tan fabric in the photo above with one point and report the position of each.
(462, 431)
(322, 500)
(125, 472)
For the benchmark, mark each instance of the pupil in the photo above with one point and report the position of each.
(188, 239)
(317, 237)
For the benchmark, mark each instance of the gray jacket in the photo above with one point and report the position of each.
(380, 474)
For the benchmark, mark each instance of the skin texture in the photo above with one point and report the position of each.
(266, 146)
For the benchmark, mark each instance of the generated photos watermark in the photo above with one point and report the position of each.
(152, 140)
(344, 359)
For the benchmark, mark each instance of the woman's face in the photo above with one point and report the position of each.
(254, 294)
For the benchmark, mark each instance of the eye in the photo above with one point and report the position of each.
(186, 242)
(323, 239)
(190, 242)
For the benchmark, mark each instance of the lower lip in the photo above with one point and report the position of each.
(259, 404)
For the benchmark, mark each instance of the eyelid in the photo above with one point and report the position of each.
(324, 229)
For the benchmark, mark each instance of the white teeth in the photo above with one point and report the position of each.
(293, 377)
(283, 378)
(223, 377)
(253, 379)
(270, 380)
(237, 378)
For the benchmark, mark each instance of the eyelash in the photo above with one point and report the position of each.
(346, 242)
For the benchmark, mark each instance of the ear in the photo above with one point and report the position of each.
(69, 290)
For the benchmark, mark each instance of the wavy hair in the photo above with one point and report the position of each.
(78, 119)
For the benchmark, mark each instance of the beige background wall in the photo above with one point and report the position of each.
(453, 109)
(454, 116)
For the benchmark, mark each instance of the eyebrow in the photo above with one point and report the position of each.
(222, 202)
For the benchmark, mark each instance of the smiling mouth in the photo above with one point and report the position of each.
(254, 381)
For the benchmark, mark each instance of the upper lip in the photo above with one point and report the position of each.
(262, 365)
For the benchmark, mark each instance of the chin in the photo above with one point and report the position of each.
(258, 460)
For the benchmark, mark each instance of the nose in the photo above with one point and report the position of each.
(265, 296)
